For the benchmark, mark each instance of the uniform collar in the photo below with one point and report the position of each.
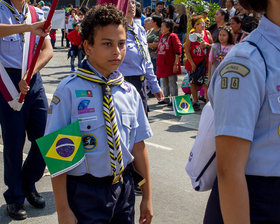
(270, 31)
(86, 65)
(16, 11)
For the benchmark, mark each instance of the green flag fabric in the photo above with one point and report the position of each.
(62, 150)
(182, 105)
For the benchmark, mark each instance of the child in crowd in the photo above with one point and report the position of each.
(220, 49)
(113, 126)
(76, 46)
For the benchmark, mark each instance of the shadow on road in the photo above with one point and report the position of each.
(31, 211)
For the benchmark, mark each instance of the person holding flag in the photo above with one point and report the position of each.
(18, 30)
(113, 127)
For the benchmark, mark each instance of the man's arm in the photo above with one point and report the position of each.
(232, 156)
(35, 28)
(64, 213)
(44, 57)
(141, 164)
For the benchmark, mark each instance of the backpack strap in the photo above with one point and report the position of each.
(259, 50)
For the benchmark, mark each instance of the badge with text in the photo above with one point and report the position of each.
(83, 93)
(234, 84)
(83, 107)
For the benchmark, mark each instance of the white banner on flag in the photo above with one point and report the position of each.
(58, 20)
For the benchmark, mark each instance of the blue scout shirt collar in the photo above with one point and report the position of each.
(86, 65)
(22, 14)
(270, 31)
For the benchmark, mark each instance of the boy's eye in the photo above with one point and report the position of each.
(107, 44)
(122, 44)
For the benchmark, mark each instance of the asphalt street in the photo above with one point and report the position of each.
(174, 200)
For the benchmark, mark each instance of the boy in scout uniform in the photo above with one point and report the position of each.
(113, 126)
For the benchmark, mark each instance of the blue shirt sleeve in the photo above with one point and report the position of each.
(237, 92)
(59, 113)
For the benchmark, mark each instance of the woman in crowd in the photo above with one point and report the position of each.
(180, 26)
(148, 11)
(170, 12)
(152, 39)
(69, 20)
(220, 49)
(236, 24)
(168, 60)
(221, 19)
(197, 49)
(247, 124)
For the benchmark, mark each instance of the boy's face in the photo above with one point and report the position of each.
(77, 27)
(108, 50)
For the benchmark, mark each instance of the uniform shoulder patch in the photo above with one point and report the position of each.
(235, 68)
(55, 99)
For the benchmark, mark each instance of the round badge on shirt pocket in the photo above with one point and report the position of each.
(89, 142)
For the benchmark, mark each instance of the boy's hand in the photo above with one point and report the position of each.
(66, 217)
(159, 96)
(146, 212)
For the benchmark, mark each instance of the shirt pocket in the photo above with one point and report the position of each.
(93, 133)
(274, 102)
(130, 124)
(11, 43)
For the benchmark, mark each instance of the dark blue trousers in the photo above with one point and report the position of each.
(102, 203)
(141, 88)
(31, 120)
(264, 196)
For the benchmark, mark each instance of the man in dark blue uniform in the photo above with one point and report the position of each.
(16, 50)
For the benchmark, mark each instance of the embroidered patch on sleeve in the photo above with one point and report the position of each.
(224, 83)
(235, 68)
(55, 100)
(234, 84)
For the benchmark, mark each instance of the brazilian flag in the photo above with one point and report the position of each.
(62, 150)
(182, 105)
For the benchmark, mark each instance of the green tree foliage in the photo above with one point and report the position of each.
(199, 6)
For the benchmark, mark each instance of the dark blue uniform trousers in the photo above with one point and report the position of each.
(15, 124)
(141, 88)
(264, 196)
(102, 202)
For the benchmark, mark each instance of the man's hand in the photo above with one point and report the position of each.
(37, 29)
(159, 96)
(146, 212)
(23, 87)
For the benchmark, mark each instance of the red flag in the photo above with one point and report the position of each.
(121, 4)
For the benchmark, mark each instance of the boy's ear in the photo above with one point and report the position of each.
(87, 47)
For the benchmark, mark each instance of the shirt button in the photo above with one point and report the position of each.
(88, 127)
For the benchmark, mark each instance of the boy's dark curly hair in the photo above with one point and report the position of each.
(100, 16)
(256, 5)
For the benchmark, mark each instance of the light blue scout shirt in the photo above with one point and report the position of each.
(11, 47)
(246, 105)
(134, 63)
(76, 98)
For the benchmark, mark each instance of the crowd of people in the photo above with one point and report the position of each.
(126, 53)
(230, 26)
